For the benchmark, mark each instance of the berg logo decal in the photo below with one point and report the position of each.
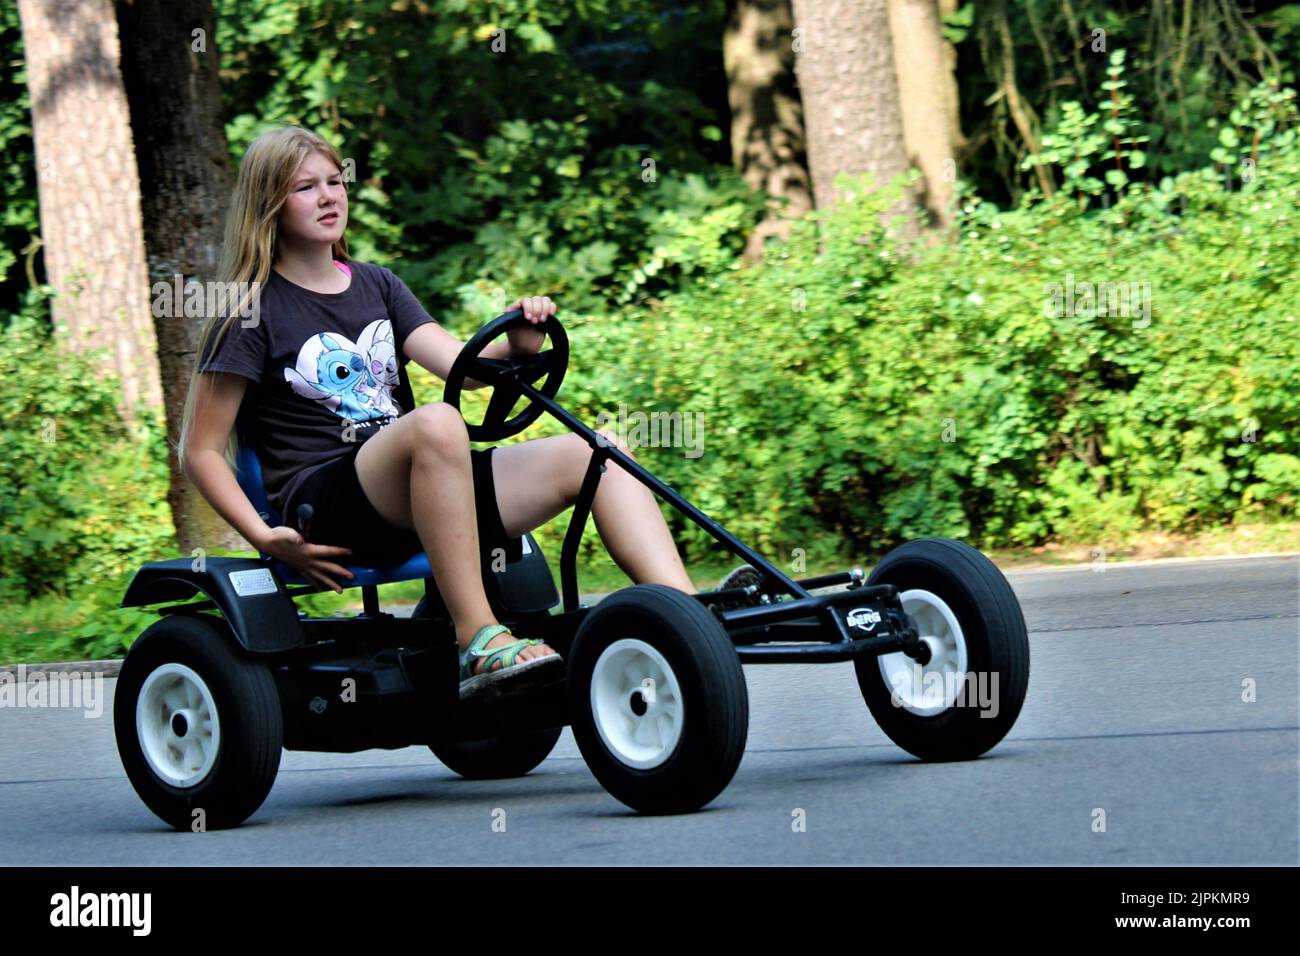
(864, 618)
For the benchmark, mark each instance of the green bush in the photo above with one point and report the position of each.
(19, 224)
(859, 395)
(86, 493)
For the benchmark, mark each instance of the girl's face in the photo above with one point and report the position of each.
(316, 193)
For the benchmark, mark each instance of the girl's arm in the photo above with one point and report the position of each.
(434, 348)
(217, 404)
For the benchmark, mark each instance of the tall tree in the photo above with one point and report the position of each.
(767, 133)
(89, 190)
(927, 92)
(845, 67)
(169, 65)
(952, 93)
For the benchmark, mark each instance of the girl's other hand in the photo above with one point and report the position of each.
(310, 560)
(536, 308)
(523, 339)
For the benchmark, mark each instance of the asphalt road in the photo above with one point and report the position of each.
(1135, 707)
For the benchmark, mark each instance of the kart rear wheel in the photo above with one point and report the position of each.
(497, 758)
(658, 699)
(198, 724)
(967, 696)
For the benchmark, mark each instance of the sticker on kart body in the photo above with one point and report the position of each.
(864, 618)
(256, 581)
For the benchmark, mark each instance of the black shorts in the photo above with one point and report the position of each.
(343, 515)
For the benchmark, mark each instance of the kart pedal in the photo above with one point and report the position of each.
(747, 577)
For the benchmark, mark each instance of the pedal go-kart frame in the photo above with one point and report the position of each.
(862, 620)
(205, 702)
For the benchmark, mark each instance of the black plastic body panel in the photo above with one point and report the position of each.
(404, 689)
(263, 618)
(524, 586)
(396, 697)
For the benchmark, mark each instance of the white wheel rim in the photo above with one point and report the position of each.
(637, 704)
(177, 726)
(929, 689)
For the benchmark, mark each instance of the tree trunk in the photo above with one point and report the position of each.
(89, 190)
(767, 136)
(845, 67)
(955, 136)
(928, 94)
(169, 65)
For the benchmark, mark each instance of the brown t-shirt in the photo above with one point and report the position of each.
(326, 371)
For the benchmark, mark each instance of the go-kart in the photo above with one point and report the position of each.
(652, 682)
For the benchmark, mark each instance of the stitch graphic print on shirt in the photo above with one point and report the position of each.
(353, 380)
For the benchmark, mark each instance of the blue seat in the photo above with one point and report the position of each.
(405, 567)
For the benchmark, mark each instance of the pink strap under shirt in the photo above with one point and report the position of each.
(344, 267)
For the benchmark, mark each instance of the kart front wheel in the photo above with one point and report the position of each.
(198, 724)
(964, 699)
(657, 699)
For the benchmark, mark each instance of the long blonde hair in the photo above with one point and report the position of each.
(251, 245)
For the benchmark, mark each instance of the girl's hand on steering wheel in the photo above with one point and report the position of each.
(523, 339)
(310, 560)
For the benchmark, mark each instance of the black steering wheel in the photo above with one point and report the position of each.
(505, 375)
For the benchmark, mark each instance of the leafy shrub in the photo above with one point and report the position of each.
(972, 390)
(86, 493)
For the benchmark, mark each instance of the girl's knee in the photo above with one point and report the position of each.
(438, 429)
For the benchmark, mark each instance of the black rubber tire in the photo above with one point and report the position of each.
(997, 642)
(497, 758)
(494, 758)
(712, 682)
(247, 706)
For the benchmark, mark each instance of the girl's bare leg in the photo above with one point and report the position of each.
(633, 528)
(536, 480)
(417, 474)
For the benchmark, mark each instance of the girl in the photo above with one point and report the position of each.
(308, 359)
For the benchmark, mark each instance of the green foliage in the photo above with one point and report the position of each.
(1085, 145)
(1189, 63)
(977, 391)
(18, 205)
(956, 25)
(506, 148)
(1262, 125)
(86, 494)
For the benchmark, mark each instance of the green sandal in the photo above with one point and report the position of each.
(507, 654)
